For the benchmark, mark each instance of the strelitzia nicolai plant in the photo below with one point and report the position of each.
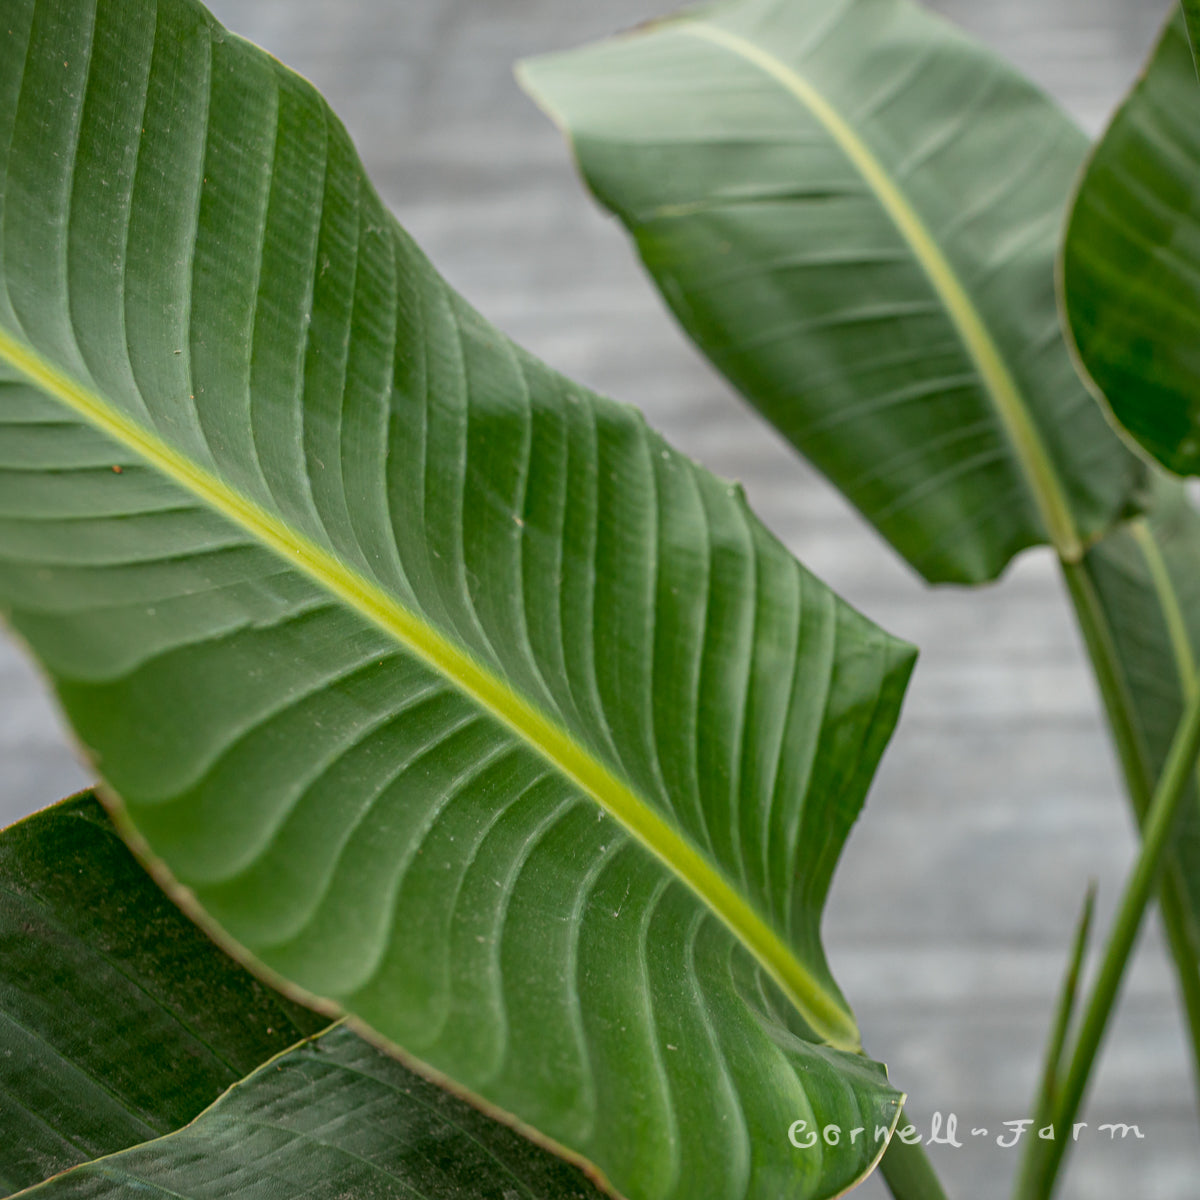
(474, 725)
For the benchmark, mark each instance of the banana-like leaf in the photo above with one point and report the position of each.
(1147, 578)
(1131, 258)
(120, 1022)
(854, 212)
(119, 1019)
(442, 691)
(332, 1117)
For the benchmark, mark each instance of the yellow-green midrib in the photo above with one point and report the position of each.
(1007, 398)
(824, 1013)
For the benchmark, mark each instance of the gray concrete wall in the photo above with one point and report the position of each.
(998, 800)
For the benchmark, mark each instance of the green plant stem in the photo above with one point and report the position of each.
(1066, 1010)
(1139, 783)
(1056, 1048)
(1159, 826)
(907, 1170)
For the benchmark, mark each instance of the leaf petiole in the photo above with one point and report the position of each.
(1160, 823)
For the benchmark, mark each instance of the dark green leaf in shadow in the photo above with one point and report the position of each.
(119, 1019)
(120, 1022)
(333, 1117)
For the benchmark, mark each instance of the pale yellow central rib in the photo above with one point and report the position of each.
(1172, 610)
(826, 1016)
(1043, 480)
(1168, 599)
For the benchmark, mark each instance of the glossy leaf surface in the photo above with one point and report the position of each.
(854, 211)
(119, 1019)
(438, 687)
(1131, 259)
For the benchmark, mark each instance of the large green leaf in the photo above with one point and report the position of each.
(119, 1019)
(120, 1022)
(1131, 258)
(854, 212)
(434, 685)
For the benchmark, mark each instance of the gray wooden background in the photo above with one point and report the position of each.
(997, 802)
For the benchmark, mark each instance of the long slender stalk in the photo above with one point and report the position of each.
(1160, 823)
(907, 1171)
(1043, 1112)
(1139, 782)
(1043, 1159)
(1056, 1051)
